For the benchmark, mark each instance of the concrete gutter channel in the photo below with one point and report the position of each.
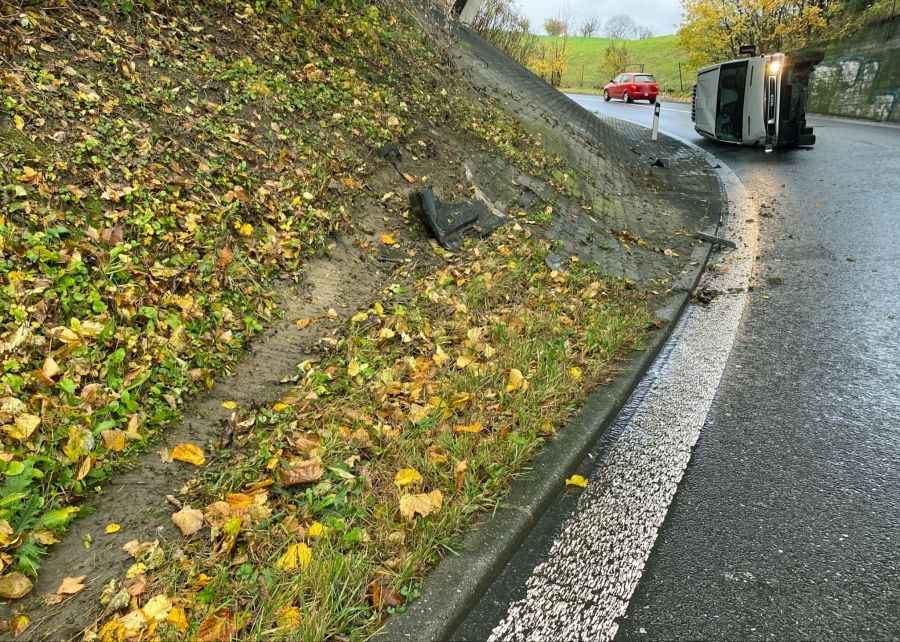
(459, 580)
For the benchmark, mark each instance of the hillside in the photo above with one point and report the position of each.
(212, 188)
(660, 56)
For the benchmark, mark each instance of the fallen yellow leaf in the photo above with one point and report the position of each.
(575, 373)
(516, 380)
(178, 618)
(387, 239)
(463, 360)
(353, 368)
(229, 405)
(112, 528)
(406, 476)
(114, 440)
(359, 317)
(23, 427)
(577, 480)
(474, 427)
(13, 586)
(289, 617)
(188, 453)
(297, 555)
(423, 503)
(315, 530)
(157, 608)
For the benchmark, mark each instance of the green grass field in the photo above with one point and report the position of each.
(660, 57)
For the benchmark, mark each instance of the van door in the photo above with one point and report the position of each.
(730, 105)
(755, 102)
(706, 98)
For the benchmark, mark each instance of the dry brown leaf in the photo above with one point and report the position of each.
(69, 586)
(218, 626)
(188, 453)
(188, 520)
(461, 467)
(17, 624)
(303, 472)
(136, 547)
(225, 257)
(137, 585)
(217, 514)
(50, 369)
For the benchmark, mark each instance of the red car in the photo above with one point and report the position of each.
(632, 86)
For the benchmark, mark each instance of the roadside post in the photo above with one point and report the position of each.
(655, 133)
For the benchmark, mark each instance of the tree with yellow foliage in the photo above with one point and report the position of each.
(714, 30)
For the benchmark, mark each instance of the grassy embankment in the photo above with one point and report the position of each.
(159, 171)
(660, 56)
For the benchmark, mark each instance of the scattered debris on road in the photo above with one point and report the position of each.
(715, 240)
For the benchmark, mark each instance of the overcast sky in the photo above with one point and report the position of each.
(662, 16)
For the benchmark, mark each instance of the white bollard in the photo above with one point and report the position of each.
(655, 134)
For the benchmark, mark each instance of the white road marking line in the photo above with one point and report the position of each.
(599, 553)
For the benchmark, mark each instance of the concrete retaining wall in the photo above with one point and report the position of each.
(860, 76)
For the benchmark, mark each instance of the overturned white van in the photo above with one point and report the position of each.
(756, 101)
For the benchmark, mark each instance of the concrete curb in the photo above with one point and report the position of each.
(457, 583)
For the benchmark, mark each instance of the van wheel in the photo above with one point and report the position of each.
(626, 97)
(605, 95)
(653, 101)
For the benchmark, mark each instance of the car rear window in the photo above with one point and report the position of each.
(644, 78)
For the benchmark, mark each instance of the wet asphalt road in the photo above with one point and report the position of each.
(787, 521)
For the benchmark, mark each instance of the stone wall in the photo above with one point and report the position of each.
(860, 76)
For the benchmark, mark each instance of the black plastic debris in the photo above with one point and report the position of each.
(449, 222)
(715, 240)
(660, 162)
(706, 295)
(555, 262)
(527, 197)
(390, 153)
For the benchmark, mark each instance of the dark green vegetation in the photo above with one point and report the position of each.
(158, 170)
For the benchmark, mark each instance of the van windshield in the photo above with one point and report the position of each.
(730, 108)
(644, 78)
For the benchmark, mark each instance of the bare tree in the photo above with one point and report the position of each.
(502, 23)
(556, 26)
(590, 26)
(642, 32)
(620, 27)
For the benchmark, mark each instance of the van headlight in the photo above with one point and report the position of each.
(774, 66)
